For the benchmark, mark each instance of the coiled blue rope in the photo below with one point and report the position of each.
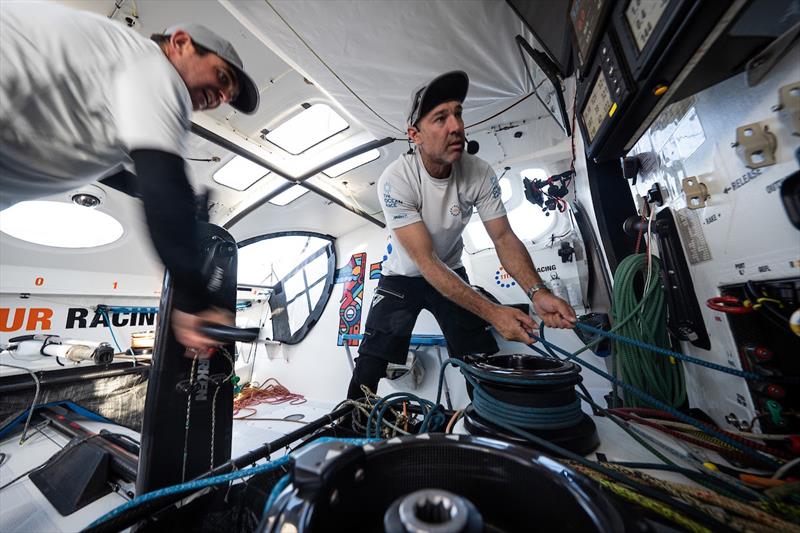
(527, 417)
(687, 358)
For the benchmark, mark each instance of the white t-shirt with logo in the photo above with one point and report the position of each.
(78, 92)
(408, 194)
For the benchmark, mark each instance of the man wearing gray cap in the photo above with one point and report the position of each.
(428, 197)
(82, 96)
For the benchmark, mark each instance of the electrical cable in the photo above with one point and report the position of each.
(333, 72)
(35, 402)
(500, 112)
(770, 313)
(782, 471)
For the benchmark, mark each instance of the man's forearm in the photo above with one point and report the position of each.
(517, 261)
(169, 207)
(454, 288)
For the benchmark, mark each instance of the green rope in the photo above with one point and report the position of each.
(644, 318)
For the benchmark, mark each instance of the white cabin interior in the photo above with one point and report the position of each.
(353, 64)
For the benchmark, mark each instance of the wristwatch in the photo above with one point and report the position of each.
(536, 288)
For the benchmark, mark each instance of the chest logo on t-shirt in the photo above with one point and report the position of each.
(455, 210)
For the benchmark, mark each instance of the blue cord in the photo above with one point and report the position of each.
(276, 490)
(190, 486)
(216, 480)
(110, 329)
(661, 405)
(663, 351)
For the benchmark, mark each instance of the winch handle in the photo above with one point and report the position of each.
(230, 333)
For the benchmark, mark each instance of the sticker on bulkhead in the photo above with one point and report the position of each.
(694, 240)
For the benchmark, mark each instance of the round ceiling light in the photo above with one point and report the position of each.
(59, 224)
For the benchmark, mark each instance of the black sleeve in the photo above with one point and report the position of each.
(169, 206)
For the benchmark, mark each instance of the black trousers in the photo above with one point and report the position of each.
(397, 302)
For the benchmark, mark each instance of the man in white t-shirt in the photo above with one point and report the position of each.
(81, 96)
(428, 197)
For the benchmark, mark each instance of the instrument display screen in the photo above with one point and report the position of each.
(642, 17)
(597, 106)
(585, 16)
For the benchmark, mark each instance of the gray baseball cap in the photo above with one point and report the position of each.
(443, 88)
(247, 100)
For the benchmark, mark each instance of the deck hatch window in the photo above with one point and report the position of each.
(239, 173)
(307, 129)
(289, 195)
(354, 162)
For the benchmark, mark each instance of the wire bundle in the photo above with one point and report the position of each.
(646, 321)
(270, 392)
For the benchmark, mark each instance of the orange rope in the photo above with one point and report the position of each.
(270, 392)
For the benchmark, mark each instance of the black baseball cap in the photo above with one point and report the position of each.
(444, 88)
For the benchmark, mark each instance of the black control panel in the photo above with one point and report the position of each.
(607, 93)
(587, 18)
(636, 56)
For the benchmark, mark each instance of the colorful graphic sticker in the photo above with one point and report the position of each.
(503, 278)
(352, 275)
(375, 270)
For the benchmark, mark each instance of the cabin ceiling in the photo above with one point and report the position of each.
(363, 59)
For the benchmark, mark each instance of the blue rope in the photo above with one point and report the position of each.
(663, 351)
(661, 405)
(190, 486)
(210, 481)
(276, 491)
